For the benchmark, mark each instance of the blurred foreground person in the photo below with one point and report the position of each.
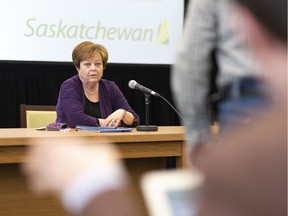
(247, 173)
(211, 29)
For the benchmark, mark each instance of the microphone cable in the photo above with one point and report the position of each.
(171, 106)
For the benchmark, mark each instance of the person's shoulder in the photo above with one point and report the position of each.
(109, 86)
(73, 79)
(72, 82)
(205, 4)
(107, 83)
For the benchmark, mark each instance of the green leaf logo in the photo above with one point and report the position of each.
(163, 34)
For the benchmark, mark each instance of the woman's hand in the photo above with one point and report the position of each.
(114, 119)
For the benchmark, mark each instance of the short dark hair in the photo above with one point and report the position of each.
(272, 14)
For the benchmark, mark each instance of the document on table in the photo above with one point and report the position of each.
(103, 129)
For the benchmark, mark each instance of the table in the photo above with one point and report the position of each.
(141, 151)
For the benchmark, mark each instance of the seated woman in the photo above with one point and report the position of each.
(86, 99)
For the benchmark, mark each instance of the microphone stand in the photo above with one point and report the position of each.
(147, 127)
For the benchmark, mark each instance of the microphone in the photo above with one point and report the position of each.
(134, 85)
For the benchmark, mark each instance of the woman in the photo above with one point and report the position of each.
(86, 99)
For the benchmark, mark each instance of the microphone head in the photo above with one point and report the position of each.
(132, 84)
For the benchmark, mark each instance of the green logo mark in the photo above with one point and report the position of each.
(163, 33)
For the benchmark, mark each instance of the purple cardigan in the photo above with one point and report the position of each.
(71, 102)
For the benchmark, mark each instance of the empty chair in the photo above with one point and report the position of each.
(34, 116)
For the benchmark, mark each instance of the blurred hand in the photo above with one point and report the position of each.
(51, 165)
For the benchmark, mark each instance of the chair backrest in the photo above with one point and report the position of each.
(34, 116)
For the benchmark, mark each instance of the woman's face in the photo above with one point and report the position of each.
(91, 70)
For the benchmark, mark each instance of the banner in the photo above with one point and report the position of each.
(133, 31)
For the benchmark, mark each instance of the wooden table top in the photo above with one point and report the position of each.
(23, 136)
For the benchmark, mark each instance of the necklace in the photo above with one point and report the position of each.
(89, 92)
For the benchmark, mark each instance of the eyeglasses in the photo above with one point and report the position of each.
(88, 65)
